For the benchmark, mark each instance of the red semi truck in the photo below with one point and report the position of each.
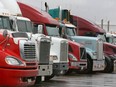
(87, 28)
(42, 43)
(17, 66)
(78, 51)
(77, 60)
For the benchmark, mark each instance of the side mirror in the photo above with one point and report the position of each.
(13, 21)
(40, 29)
(5, 33)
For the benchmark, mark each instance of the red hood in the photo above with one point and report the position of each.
(74, 48)
(36, 15)
(72, 42)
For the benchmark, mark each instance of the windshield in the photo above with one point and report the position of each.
(24, 26)
(70, 31)
(111, 39)
(102, 36)
(114, 40)
(5, 23)
(52, 30)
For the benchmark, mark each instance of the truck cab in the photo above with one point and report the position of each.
(77, 60)
(42, 43)
(18, 67)
(93, 46)
(87, 28)
(60, 65)
(111, 38)
(60, 56)
(77, 57)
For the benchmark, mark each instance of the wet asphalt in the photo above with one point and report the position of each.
(81, 80)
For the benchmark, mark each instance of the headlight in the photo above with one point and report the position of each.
(94, 53)
(53, 57)
(72, 57)
(13, 61)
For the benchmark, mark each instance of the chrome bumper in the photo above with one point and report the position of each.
(45, 70)
(60, 68)
(114, 66)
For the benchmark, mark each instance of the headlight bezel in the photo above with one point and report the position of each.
(10, 60)
(72, 57)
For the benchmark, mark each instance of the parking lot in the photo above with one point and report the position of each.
(81, 80)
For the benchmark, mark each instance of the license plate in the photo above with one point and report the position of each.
(29, 80)
(73, 63)
(42, 78)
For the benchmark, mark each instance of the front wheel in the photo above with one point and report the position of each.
(89, 66)
(48, 77)
(108, 65)
(38, 79)
(68, 72)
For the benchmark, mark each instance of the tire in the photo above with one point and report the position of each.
(38, 79)
(89, 66)
(108, 65)
(48, 77)
(68, 72)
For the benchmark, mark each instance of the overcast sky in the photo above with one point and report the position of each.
(94, 10)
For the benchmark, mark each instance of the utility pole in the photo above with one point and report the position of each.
(46, 7)
(102, 21)
(108, 26)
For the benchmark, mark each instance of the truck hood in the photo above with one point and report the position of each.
(88, 42)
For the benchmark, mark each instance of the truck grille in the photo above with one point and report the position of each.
(100, 50)
(83, 54)
(64, 51)
(29, 51)
(44, 52)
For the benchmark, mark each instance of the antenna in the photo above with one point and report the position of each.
(46, 7)
(108, 26)
(41, 5)
(60, 13)
(102, 21)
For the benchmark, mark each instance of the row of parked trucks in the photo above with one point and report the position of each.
(38, 51)
(50, 27)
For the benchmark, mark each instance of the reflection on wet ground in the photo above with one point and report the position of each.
(81, 80)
